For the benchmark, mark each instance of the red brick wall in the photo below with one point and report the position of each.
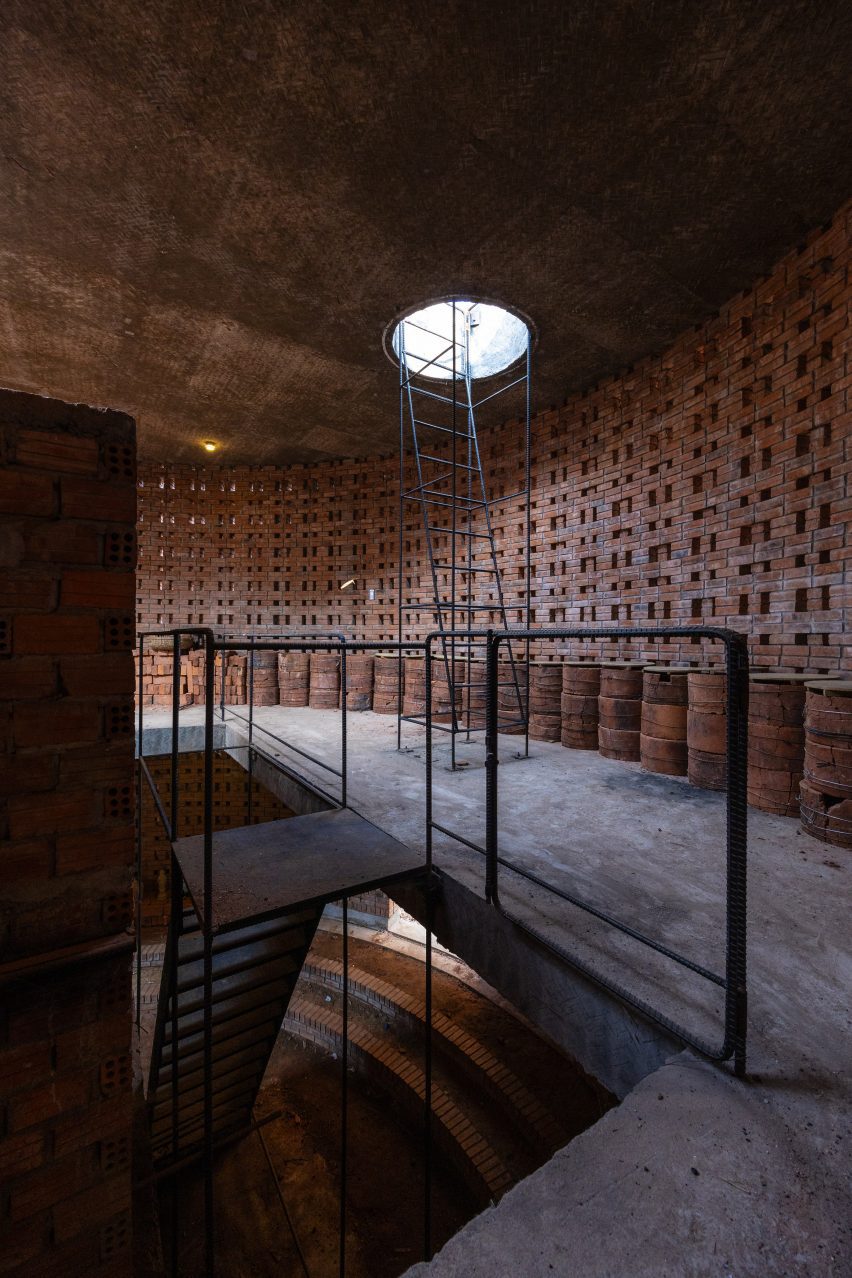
(67, 554)
(708, 484)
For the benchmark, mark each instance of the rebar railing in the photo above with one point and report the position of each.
(170, 821)
(733, 980)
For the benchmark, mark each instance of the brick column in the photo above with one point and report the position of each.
(67, 560)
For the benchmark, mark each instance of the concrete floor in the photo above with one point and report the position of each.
(695, 1172)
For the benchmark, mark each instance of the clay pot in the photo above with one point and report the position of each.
(324, 687)
(414, 698)
(293, 678)
(386, 682)
(707, 729)
(709, 771)
(579, 721)
(825, 816)
(359, 681)
(658, 754)
(826, 791)
(581, 678)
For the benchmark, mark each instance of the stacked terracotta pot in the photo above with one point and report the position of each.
(386, 682)
(474, 698)
(414, 696)
(512, 697)
(620, 709)
(707, 729)
(662, 743)
(263, 677)
(826, 791)
(443, 698)
(545, 700)
(581, 684)
(294, 673)
(324, 685)
(359, 681)
(776, 741)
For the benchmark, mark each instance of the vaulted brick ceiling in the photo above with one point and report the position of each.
(211, 210)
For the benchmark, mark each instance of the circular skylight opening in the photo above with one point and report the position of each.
(459, 338)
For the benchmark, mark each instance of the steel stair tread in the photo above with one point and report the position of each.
(226, 1011)
(192, 942)
(251, 954)
(192, 1000)
(233, 1027)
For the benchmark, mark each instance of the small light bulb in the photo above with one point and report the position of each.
(344, 585)
(210, 445)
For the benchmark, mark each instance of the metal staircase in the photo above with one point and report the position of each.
(467, 593)
(271, 884)
(245, 905)
(254, 971)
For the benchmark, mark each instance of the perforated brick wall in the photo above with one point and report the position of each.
(709, 484)
(67, 555)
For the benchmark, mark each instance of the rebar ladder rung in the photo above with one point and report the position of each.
(461, 532)
(445, 461)
(459, 434)
(439, 563)
(416, 494)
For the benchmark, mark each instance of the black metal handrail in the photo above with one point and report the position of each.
(170, 823)
(733, 981)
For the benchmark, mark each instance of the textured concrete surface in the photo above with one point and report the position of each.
(211, 211)
(695, 1173)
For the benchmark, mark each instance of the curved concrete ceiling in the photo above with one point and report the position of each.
(211, 210)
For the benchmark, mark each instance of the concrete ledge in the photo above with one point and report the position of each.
(610, 1041)
(157, 739)
(692, 1175)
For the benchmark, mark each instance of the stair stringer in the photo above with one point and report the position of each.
(255, 969)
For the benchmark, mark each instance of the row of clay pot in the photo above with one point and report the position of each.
(263, 677)
(673, 720)
(826, 788)
(799, 739)
(313, 679)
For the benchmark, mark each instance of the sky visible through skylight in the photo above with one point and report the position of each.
(497, 339)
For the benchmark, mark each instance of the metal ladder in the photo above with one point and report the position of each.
(451, 482)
